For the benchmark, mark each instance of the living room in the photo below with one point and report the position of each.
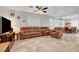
(50, 26)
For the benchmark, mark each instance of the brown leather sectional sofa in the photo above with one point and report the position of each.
(45, 31)
(59, 28)
(56, 33)
(27, 32)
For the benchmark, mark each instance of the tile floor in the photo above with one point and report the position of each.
(68, 43)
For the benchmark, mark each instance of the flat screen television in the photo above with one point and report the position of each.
(5, 25)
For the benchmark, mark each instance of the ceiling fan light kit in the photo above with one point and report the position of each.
(40, 12)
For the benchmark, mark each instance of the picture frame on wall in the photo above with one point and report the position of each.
(12, 13)
(18, 17)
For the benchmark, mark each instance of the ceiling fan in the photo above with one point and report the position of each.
(41, 9)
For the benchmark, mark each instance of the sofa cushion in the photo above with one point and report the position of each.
(31, 33)
(44, 29)
(24, 29)
(34, 29)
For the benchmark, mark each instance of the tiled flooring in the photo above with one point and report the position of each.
(68, 43)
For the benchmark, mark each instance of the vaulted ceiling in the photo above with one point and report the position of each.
(52, 10)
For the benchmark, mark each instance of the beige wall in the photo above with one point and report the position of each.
(30, 19)
(34, 20)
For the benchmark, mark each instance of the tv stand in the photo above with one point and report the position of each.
(7, 40)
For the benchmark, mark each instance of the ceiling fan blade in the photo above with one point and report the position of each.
(45, 11)
(45, 8)
(38, 7)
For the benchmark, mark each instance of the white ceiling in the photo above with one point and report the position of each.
(52, 10)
